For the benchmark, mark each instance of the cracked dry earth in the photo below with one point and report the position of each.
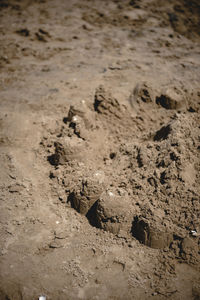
(100, 150)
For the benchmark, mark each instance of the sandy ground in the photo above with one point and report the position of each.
(99, 149)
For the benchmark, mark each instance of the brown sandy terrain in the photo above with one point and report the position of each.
(100, 149)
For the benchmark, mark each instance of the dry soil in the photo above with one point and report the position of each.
(100, 149)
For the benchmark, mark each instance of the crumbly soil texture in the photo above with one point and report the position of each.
(100, 149)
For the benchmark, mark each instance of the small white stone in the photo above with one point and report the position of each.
(97, 173)
(74, 119)
(99, 176)
(42, 298)
(57, 222)
(111, 194)
(193, 233)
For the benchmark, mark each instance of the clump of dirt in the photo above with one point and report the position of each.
(106, 104)
(152, 235)
(143, 92)
(112, 212)
(88, 192)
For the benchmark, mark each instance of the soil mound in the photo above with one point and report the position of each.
(140, 187)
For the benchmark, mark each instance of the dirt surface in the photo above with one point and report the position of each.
(100, 149)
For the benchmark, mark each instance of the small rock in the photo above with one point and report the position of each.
(194, 233)
(42, 298)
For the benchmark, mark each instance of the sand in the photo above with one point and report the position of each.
(99, 149)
